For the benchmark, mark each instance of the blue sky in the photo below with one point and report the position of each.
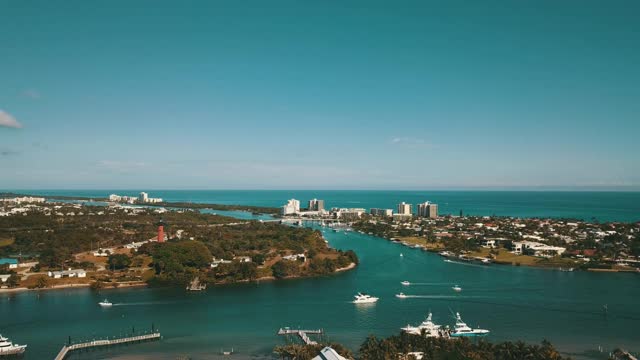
(319, 94)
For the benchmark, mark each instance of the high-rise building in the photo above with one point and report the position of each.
(433, 211)
(381, 212)
(428, 210)
(404, 209)
(316, 205)
(143, 197)
(292, 207)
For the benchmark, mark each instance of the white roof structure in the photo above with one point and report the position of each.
(329, 354)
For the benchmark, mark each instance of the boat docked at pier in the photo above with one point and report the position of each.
(430, 329)
(461, 329)
(361, 298)
(8, 348)
(196, 285)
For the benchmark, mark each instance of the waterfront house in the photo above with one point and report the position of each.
(79, 273)
(13, 263)
(242, 259)
(217, 262)
(539, 249)
(4, 278)
(329, 354)
(294, 257)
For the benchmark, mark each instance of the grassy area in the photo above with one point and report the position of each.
(506, 257)
(6, 241)
(417, 240)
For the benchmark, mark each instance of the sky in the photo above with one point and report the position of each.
(319, 94)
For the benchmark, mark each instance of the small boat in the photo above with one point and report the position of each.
(105, 303)
(461, 329)
(447, 260)
(401, 296)
(405, 283)
(401, 255)
(361, 298)
(456, 288)
(9, 348)
(226, 352)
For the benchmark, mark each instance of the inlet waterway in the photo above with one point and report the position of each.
(515, 303)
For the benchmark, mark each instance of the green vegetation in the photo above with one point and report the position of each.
(397, 347)
(119, 261)
(54, 239)
(263, 243)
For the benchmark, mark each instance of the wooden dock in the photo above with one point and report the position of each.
(107, 342)
(302, 334)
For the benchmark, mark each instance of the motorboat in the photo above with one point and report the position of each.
(456, 288)
(401, 296)
(9, 348)
(361, 298)
(405, 283)
(430, 329)
(461, 329)
(105, 303)
(401, 255)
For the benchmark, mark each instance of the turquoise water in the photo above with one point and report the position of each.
(605, 206)
(513, 302)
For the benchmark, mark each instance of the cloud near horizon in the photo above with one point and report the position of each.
(6, 120)
(411, 142)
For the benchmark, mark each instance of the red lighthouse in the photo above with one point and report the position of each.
(161, 231)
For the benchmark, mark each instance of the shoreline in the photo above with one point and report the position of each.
(144, 284)
(73, 286)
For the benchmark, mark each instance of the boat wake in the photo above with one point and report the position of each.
(430, 284)
(446, 297)
(145, 303)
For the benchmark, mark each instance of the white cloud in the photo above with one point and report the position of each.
(122, 166)
(31, 93)
(411, 142)
(7, 120)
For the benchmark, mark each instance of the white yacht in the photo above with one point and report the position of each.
(361, 298)
(456, 288)
(9, 348)
(430, 329)
(405, 283)
(461, 329)
(401, 296)
(105, 303)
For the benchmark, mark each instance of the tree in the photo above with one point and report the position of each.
(119, 261)
(13, 280)
(258, 259)
(285, 268)
(42, 282)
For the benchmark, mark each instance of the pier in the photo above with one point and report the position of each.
(302, 334)
(106, 342)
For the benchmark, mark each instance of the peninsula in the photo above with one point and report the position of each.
(52, 245)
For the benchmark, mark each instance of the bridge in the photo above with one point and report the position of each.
(105, 342)
(302, 334)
